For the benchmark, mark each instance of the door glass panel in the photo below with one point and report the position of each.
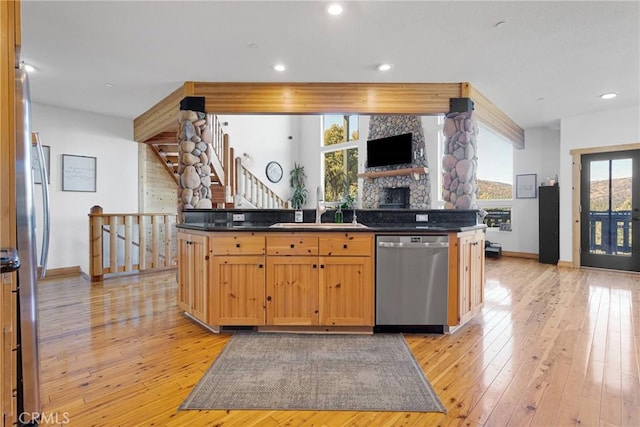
(621, 205)
(610, 207)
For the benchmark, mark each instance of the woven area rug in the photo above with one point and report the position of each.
(315, 372)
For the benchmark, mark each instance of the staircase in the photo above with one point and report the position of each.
(230, 180)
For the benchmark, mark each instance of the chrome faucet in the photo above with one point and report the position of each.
(355, 219)
(321, 207)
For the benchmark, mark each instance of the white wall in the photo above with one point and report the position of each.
(110, 140)
(540, 156)
(265, 138)
(432, 130)
(309, 153)
(613, 127)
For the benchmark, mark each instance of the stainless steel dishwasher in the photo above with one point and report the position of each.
(412, 275)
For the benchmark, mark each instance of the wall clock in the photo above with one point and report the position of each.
(274, 171)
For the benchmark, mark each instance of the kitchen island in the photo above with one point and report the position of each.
(254, 272)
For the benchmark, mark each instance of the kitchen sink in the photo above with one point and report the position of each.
(321, 226)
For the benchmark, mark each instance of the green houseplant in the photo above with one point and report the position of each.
(297, 178)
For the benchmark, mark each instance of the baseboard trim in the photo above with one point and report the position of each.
(55, 273)
(527, 255)
(565, 264)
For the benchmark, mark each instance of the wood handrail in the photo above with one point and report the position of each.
(155, 247)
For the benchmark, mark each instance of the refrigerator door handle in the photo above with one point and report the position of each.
(46, 220)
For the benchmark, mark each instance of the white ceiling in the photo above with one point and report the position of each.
(551, 59)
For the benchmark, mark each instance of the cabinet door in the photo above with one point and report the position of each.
(185, 266)
(465, 277)
(292, 290)
(200, 277)
(193, 260)
(346, 291)
(237, 296)
(477, 269)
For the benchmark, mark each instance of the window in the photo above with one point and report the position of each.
(495, 178)
(340, 156)
(495, 167)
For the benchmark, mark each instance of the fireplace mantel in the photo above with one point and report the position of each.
(416, 172)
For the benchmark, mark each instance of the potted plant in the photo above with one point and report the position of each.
(297, 178)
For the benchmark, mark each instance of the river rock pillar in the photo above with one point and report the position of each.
(459, 161)
(194, 156)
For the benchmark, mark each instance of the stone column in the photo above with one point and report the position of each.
(459, 162)
(194, 156)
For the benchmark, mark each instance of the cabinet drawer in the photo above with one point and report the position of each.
(292, 245)
(346, 244)
(237, 245)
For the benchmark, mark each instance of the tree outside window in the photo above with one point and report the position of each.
(340, 157)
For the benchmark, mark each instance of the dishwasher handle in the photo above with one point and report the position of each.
(408, 245)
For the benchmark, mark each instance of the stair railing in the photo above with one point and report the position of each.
(121, 243)
(251, 191)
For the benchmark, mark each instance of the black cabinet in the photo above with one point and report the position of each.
(549, 224)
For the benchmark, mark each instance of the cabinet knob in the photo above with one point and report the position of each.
(260, 265)
(237, 245)
(321, 265)
(269, 298)
(206, 257)
(315, 265)
(293, 246)
(344, 246)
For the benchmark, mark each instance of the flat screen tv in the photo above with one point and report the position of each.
(391, 150)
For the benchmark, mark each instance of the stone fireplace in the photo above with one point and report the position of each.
(409, 191)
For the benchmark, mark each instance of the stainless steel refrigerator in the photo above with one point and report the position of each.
(28, 397)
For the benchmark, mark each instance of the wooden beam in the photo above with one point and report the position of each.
(322, 98)
(319, 98)
(162, 117)
(488, 114)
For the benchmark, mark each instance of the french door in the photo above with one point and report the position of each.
(610, 210)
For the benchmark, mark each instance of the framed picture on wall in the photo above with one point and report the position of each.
(526, 186)
(35, 163)
(78, 173)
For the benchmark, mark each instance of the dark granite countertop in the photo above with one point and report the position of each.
(307, 227)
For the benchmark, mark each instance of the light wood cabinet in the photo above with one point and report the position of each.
(193, 277)
(305, 279)
(10, 36)
(346, 290)
(237, 280)
(292, 290)
(8, 364)
(466, 276)
(237, 290)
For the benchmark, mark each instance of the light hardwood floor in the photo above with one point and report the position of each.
(552, 347)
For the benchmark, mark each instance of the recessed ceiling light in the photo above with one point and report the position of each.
(384, 67)
(109, 84)
(28, 67)
(279, 67)
(608, 95)
(334, 9)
